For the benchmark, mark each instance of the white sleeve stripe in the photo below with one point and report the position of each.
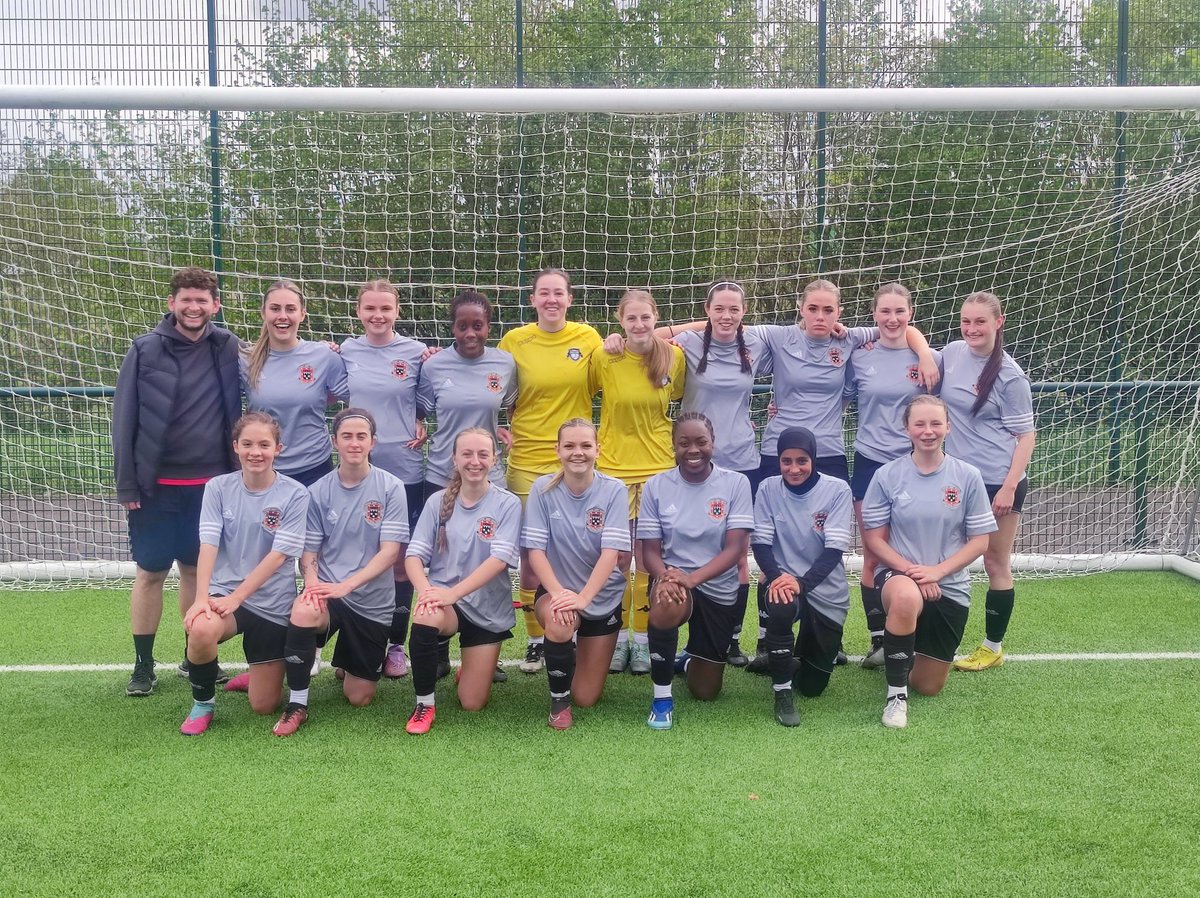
(394, 532)
(503, 545)
(620, 531)
(1017, 422)
(838, 533)
(740, 522)
(872, 521)
(531, 532)
(211, 531)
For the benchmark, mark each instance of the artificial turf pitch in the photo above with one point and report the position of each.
(1042, 778)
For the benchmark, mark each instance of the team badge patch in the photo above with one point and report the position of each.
(594, 519)
(493, 382)
(716, 509)
(912, 373)
(486, 528)
(308, 374)
(272, 517)
(819, 521)
(399, 369)
(952, 496)
(574, 354)
(835, 356)
(373, 512)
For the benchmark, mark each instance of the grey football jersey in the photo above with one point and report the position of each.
(346, 526)
(245, 526)
(810, 377)
(294, 386)
(692, 519)
(800, 528)
(489, 529)
(383, 380)
(722, 392)
(883, 380)
(465, 393)
(573, 531)
(931, 516)
(989, 437)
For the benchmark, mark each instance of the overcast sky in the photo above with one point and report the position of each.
(146, 42)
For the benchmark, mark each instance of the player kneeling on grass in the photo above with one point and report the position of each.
(576, 526)
(693, 525)
(801, 528)
(251, 531)
(357, 521)
(467, 537)
(927, 517)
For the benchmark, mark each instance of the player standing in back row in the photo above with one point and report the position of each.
(990, 404)
(552, 356)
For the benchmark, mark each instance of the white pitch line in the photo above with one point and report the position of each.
(168, 666)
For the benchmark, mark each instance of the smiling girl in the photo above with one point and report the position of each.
(990, 404)
(252, 526)
(927, 517)
(552, 356)
(383, 369)
(637, 388)
(293, 380)
(694, 524)
(802, 525)
(576, 526)
(458, 559)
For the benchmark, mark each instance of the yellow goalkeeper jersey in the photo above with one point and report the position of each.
(552, 386)
(635, 430)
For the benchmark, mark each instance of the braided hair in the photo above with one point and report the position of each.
(743, 350)
(454, 487)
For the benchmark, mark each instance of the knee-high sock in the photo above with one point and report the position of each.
(532, 627)
(780, 643)
(998, 608)
(663, 645)
(639, 589)
(299, 652)
(398, 634)
(898, 657)
(560, 667)
(423, 652)
(204, 680)
(443, 649)
(739, 610)
(872, 602)
(761, 600)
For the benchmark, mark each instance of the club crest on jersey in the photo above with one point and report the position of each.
(594, 519)
(912, 373)
(716, 509)
(819, 521)
(272, 518)
(486, 528)
(952, 496)
(308, 374)
(835, 356)
(373, 511)
(493, 382)
(574, 354)
(399, 369)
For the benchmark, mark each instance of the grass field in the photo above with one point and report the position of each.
(1044, 778)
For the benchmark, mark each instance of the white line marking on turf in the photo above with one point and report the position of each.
(168, 666)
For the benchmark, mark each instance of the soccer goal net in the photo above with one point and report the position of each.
(1079, 207)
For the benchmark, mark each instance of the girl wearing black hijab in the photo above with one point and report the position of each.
(802, 522)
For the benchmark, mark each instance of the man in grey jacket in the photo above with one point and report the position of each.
(177, 398)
